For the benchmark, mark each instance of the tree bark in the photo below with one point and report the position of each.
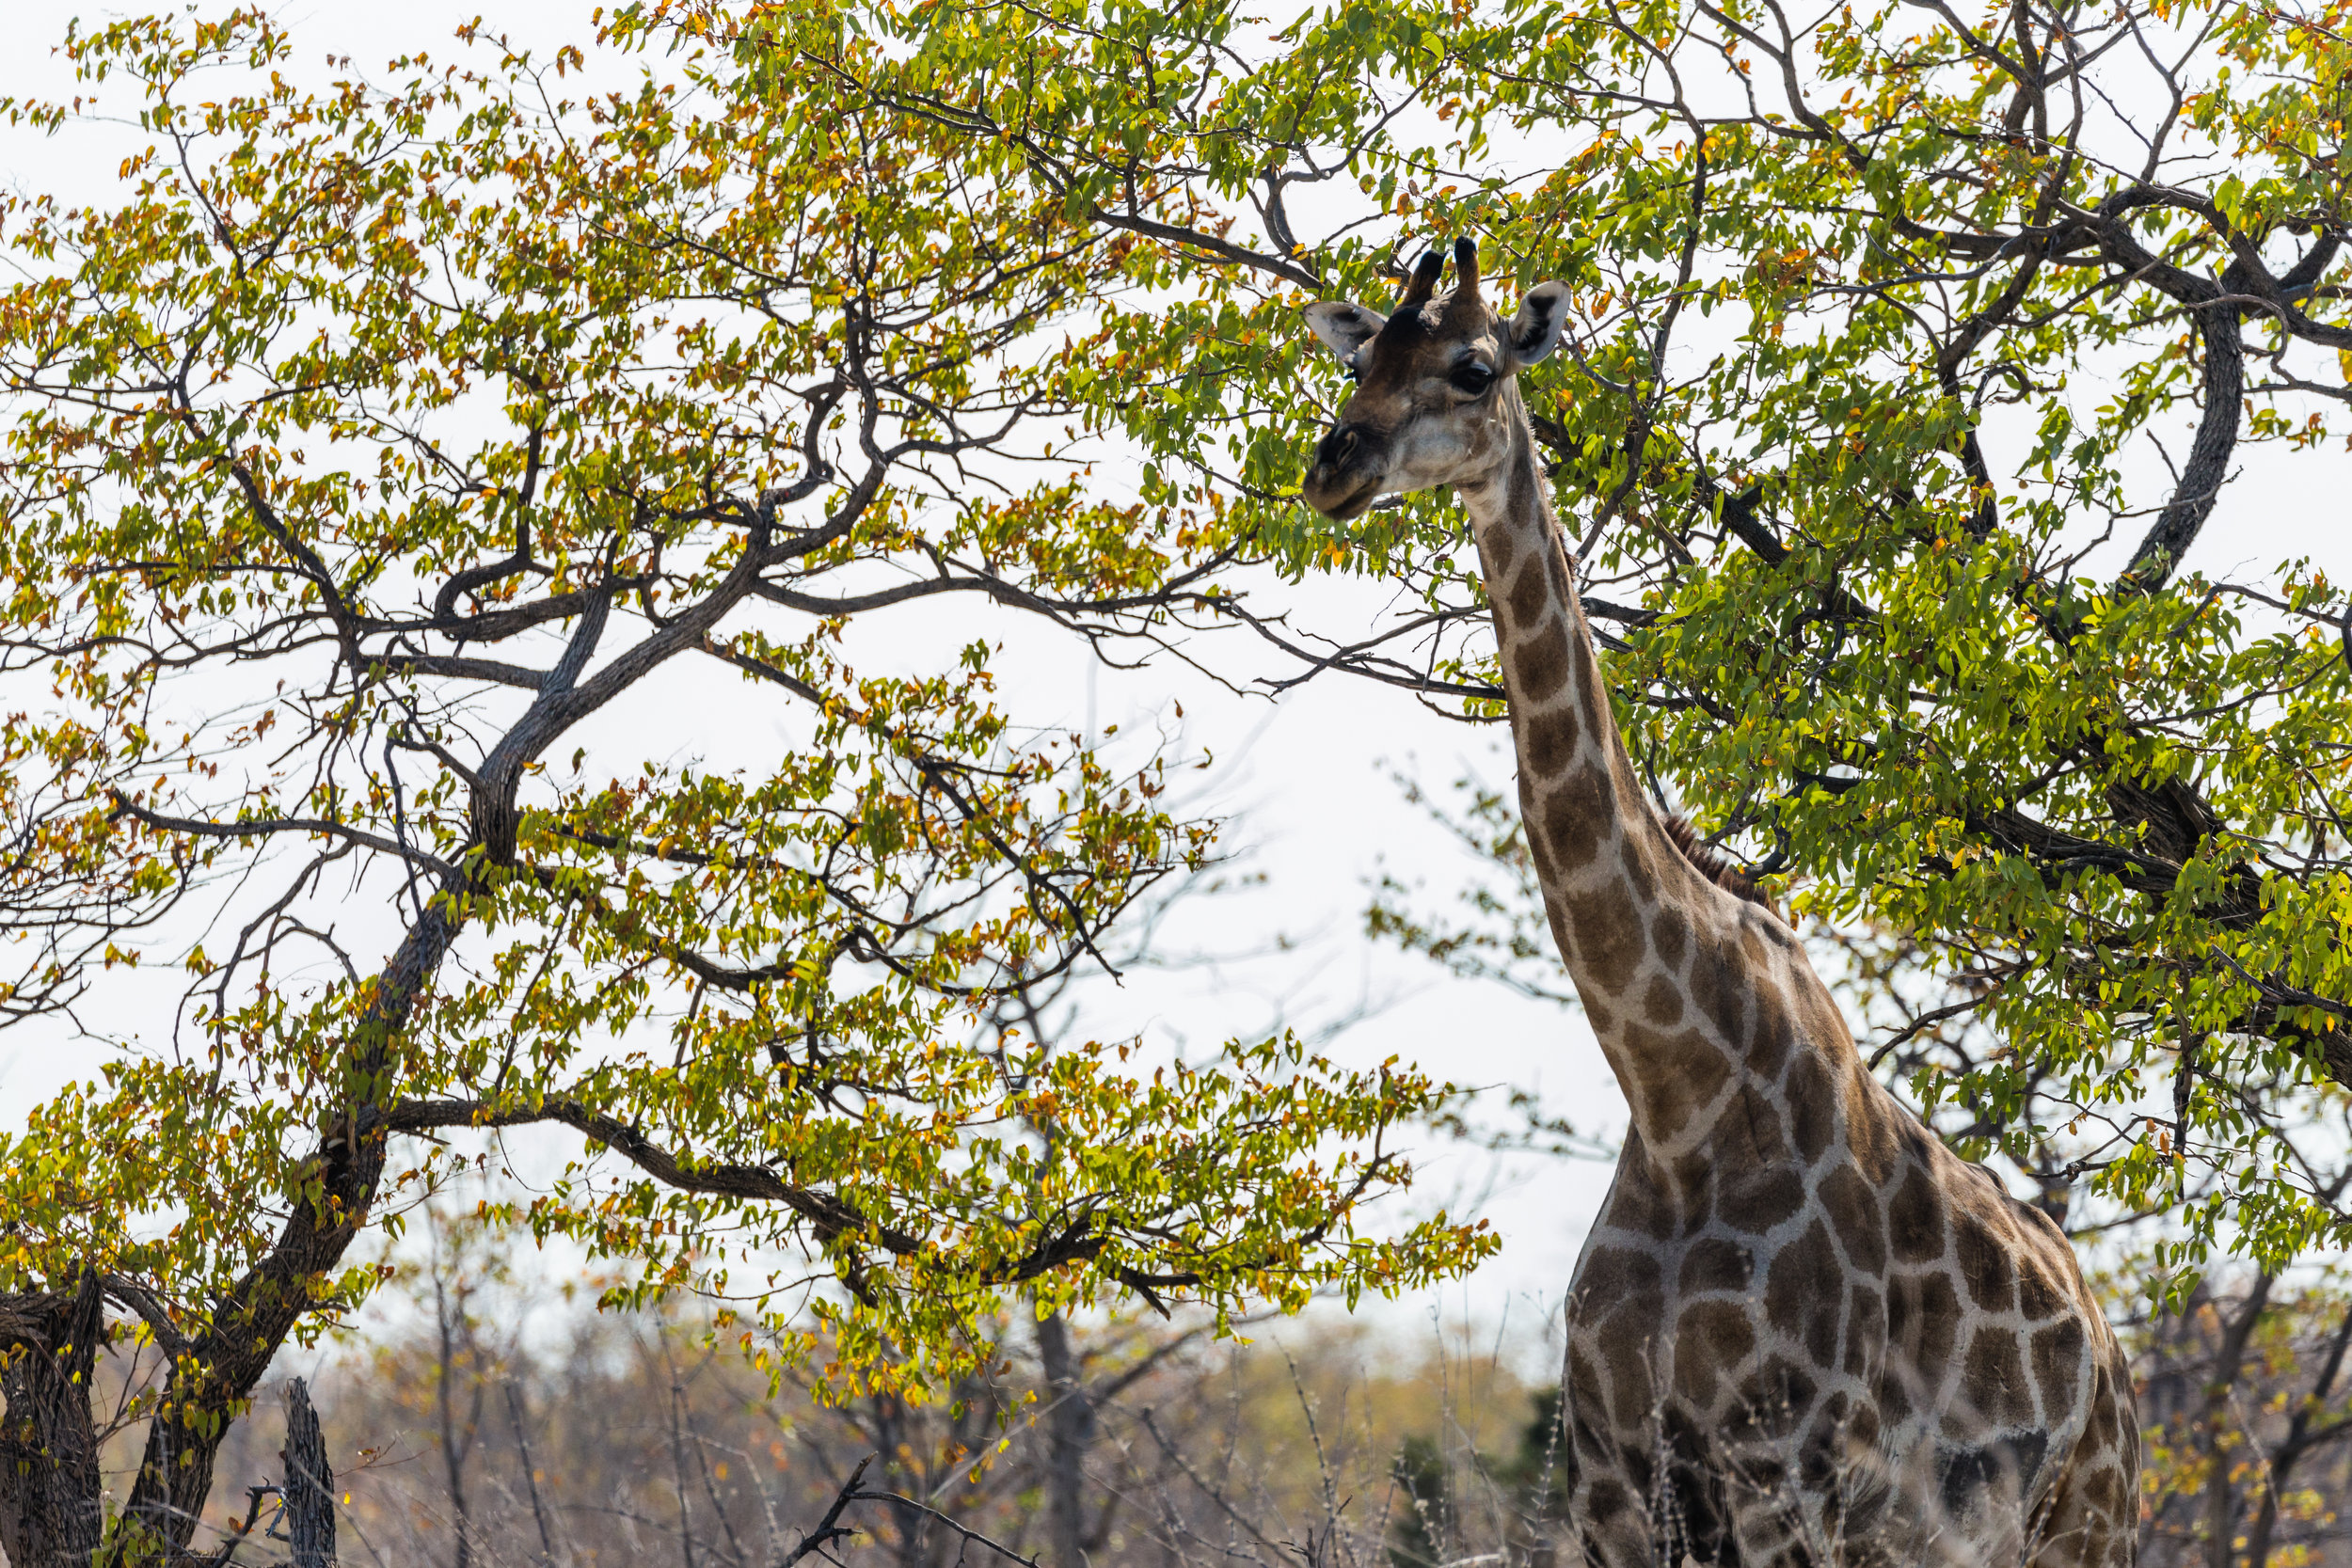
(309, 1484)
(1068, 1433)
(453, 1453)
(221, 1365)
(2208, 468)
(50, 1511)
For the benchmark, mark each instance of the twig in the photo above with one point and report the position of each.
(830, 1528)
(530, 1477)
(972, 1535)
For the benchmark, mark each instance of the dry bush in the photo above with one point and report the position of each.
(459, 1439)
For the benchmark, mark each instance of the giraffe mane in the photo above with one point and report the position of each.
(1713, 865)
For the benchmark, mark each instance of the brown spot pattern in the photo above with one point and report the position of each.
(2058, 1356)
(1922, 1323)
(1611, 1273)
(1548, 747)
(1711, 1344)
(1538, 674)
(2039, 1295)
(1984, 1265)
(1530, 602)
(1752, 1127)
(1771, 1040)
(1774, 1400)
(1805, 1292)
(1757, 1200)
(1497, 549)
(1685, 1074)
(1717, 993)
(1574, 821)
(1993, 1383)
(1865, 1330)
(1870, 1122)
(1914, 1220)
(1668, 938)
(1608, 945)
(1716, 1264)
(1810, 1105)
(1589, 698)
(1853, 1208)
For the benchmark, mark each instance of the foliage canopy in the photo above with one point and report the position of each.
(1889, 321)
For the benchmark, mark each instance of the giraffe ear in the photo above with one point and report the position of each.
(1536, 330)
(1345, 329)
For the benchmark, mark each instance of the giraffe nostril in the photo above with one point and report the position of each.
(1341, 445)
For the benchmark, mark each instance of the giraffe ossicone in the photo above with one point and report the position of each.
(1801, 1330)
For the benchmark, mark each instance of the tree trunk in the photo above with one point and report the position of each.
(216, 1372)
(453, 1453)
(50, 1511)
(1068, 1433)
(309, 1484)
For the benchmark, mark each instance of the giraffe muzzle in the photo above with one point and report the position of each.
(1351, 462)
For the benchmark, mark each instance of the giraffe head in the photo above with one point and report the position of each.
(1428, 407)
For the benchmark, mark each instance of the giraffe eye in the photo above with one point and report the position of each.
(1472, 377)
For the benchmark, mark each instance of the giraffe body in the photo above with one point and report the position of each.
(1801, 1331)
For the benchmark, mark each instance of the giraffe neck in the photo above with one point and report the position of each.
(1638, 928)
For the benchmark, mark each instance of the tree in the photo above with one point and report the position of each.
(387, 470)
(2247, 1405)
(1888, 321)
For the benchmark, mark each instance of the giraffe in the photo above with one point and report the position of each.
(1801, 1330)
